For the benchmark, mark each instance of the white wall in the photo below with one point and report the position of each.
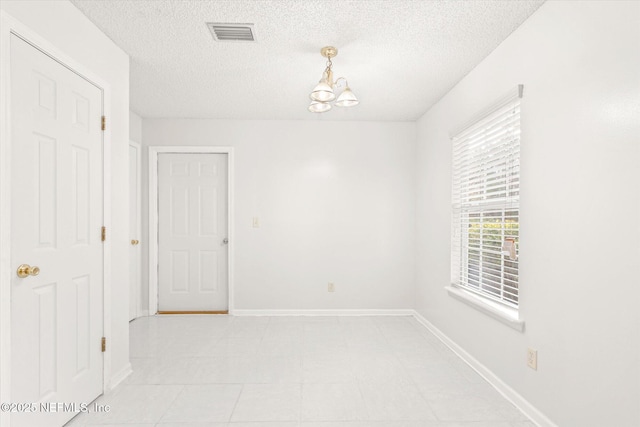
(580, 212)
(335, 202)
(65, 27)
(135, 127)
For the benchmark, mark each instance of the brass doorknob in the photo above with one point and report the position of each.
(25, 270)
(135, 242)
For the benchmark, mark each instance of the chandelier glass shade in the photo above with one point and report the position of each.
(324, 92)
(347, 98)
(319, 107)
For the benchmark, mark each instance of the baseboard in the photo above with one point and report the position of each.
(330, 312)
(172, 312)
(120, 376)
(510, 394)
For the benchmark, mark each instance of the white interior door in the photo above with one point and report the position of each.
(134, 230)
(192, 232)
(56, 212)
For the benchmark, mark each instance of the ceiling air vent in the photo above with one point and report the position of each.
(232, 32)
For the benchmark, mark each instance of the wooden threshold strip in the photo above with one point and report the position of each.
(195, 312)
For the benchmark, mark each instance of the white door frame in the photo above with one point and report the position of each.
(153, 214)
(138, 207)
(9, 25)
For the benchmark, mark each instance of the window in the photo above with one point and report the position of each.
(486, 206)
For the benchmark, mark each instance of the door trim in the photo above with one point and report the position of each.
(153, 215)
(8, 26)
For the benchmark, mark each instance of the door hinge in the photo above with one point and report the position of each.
(103, 343)
(104, 122)
(103, 234)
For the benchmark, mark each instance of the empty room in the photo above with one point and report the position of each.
(320, 213)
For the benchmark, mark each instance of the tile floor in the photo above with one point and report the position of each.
(224, 371)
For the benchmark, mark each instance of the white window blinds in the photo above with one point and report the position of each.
(486, 207)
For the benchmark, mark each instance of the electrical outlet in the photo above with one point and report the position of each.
(532, 359)
(331, 287)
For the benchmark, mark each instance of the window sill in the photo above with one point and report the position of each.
(506, 315)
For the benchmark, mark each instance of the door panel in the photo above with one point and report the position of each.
(47, 218)
(192, 218)
(57, 211)
(83, 316)
(45, 298)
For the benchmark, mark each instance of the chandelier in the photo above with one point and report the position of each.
(323, 94)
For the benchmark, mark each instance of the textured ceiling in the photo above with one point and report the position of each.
(400, 56)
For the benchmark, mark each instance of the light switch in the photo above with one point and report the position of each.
(256, 222)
